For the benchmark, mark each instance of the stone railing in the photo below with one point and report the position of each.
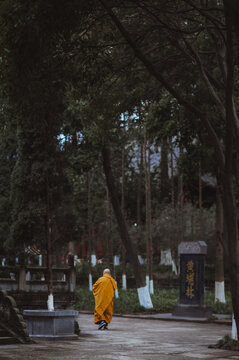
(33, 279)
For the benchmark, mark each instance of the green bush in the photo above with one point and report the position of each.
(227, 343)
(127, 303)
(82, 270)
(84, 299)
(218, 307)
(163, 301)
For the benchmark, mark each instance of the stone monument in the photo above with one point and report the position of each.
(192, 259)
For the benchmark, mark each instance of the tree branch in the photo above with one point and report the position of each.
(149, 66)
(216, 98)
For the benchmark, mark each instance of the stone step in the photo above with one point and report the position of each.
(3, 332)
(8, 340)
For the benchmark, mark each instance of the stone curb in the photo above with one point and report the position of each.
(150, 317)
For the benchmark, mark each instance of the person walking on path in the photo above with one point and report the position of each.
(103, 291)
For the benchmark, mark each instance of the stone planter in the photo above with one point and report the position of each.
(51, 325)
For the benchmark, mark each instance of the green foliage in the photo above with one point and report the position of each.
(218, 307)
(167, 225)
(128, 303)
(84, 299)
(227, 343)
(7, 161)
(82, 270)
(163, 301)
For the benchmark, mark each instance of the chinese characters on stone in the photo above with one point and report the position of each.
(190, 279)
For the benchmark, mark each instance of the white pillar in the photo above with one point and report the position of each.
(220, 292)
(40, 260)
(144, 297)
(50, 303)
(93, 259)
(116, 293)
(151, 286)
(141, 260)
(166, 257)
(90, 282)
(147, 281)
(174, 267)
(28, 276)
(234, 328)
(124, 282)
(116, 260)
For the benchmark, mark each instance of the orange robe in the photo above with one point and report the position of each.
(103, 291)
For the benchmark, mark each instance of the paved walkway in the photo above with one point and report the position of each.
(130, 338)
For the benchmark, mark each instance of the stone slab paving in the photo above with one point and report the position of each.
(130, 338)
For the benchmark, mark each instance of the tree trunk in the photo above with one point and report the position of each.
(233, 248)
(164, 178)
(139, 188)
(90, 226)
(180, 206)
(172, 175)
(124, 286)
(50, 303)
(219, 263)
(109, 245)
(228, 194)
(200, 199)
(114, 196)
(149, 250)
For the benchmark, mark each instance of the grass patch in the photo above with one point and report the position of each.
(163, 301)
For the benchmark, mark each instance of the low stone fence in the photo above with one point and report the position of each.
(28, 286)
(34, 279)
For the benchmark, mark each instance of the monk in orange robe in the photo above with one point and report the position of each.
(103, 291)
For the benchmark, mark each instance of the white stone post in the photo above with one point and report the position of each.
(116, 292)
(116, 260)
(147, 281)
(151, 286)
(234, 328)
(90, 282)
(124, 282)
(144, 297)
(93, 259)
(220, 292)
(50, 303)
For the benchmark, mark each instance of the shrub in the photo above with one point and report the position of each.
(163, 301)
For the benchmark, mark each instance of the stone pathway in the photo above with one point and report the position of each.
(130, 338)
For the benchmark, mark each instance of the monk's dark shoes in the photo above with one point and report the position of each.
(102, 325)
